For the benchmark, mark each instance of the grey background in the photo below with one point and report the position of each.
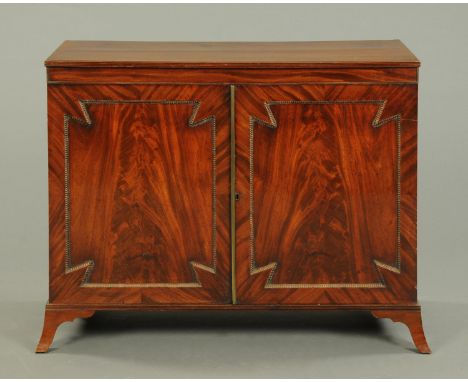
(235, 345)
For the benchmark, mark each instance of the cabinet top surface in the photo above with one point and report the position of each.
(310, 54)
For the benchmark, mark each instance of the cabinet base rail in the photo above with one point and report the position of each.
(57, 314)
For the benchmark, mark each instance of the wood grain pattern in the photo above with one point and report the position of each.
(322, 183)
(230, 76)
(321, 217)
(140, 159)
(307, 54)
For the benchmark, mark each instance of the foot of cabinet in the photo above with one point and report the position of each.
(412, 319)
(52, 320)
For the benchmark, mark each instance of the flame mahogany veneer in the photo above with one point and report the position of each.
(245, 176)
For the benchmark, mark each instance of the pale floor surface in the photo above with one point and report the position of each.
(209, 344)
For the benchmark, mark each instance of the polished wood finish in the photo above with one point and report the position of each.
(232, 176)
(338, 165)
(148, 218)
(57, 314)
(413, 320)
(308, 54)
(231, 76)
(223, 307)
(52, 320)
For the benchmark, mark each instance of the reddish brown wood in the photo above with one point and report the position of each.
(148, 194)
(412, 319)
(231, 76)
(52, 320)
(245, 307)
(325, 166)
(57, 314)
(330, 217)
(310, 54)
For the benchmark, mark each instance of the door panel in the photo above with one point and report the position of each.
(327, 182)
(139, 194)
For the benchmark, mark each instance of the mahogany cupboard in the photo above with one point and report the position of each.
(232, 176)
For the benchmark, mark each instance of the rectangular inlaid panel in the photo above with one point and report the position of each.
(140, 193)
(327, 181)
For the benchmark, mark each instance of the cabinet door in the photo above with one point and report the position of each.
(139, 194)
(326, 176)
